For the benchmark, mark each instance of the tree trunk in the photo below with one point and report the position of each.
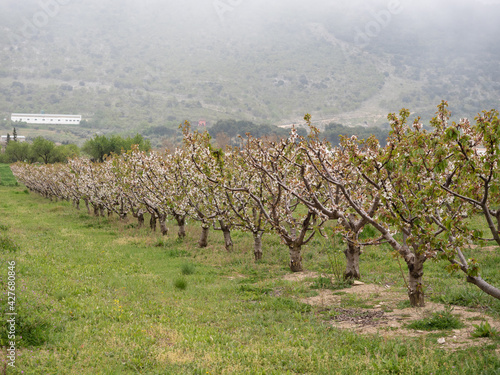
(228, 242)
(77, 204)
(295, 258)
(415, 286)
(110, 213)
(257, 245)
(163, 226)
(152, 222)
(203, 242)
(181, 222)
(101, 210)
(87, 205)
(96, 210)
(140, 220)
(352, 256)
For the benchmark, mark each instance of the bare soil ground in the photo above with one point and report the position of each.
(384, 318)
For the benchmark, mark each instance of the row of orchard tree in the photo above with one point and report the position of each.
(419, 191)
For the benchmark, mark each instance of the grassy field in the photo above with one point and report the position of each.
(99, 296)
(6, 177)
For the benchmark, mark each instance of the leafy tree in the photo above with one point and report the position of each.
(100, 145)
(61, 154)
(42, 148)
(17, 151)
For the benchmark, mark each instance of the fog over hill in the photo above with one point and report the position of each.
(130, 64)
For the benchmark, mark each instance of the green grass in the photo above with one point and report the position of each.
(97, 296)
(6, 176)
(440, 320)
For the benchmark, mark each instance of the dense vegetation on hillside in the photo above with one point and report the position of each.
(260, 62)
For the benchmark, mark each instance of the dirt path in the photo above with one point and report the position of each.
(376, 309)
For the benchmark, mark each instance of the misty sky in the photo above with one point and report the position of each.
(251, 46)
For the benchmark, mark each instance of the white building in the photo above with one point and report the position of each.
(20, 138)
(31, 118)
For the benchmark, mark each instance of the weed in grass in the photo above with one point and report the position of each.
(351, 300)
(336, 258)
(403, 304)
(322, 283)
(180, 283)
(254, 292)
(462, 296)
(187, 269)
(4, 227)
(161, 242)
(326, 283)
(484, 330)
(440, 320)
(7, 244)
(177, 253)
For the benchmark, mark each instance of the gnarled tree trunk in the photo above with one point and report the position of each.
(203, 242)
(152, 222)
(257, 245)
(87, 205)
(228, 242)
(181, 222)
(415, 286)
(352, 256)
(140, 220)
(163, 226)
(295, 258)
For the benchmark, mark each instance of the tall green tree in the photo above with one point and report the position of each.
(17, 151)
(100, 146)
(42, 148)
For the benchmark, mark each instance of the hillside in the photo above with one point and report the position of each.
(127, 66)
